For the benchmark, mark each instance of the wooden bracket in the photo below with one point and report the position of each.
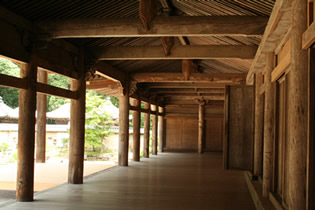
(188, 67)
(147, 12)
(167, 44)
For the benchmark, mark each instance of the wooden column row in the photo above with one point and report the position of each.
(26, 133)
(298, 194)
(157, 121)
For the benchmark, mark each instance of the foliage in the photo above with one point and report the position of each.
(4, 146)
(98, 122)
(54, 102)
(115, 101)
(10, 96)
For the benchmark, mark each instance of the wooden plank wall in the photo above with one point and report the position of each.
(182, 127)
(240, 128)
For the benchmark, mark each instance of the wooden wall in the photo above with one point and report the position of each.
(182, 127)
(239, 136)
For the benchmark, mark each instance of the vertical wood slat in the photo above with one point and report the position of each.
(26, 133)
(41, 120)
(258, 144)
(268, 127)
(123, 129)
(154, 130)
(77, 128)
(146, 136)
(136, 131)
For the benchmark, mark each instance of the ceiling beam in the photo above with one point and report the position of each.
(176, 52)
(160, 26)
(168, 85)
(109, 72)
(188, 97)
(99, 84)
(187, 90)
(220, 78)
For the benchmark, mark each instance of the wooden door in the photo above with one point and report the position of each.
(213, 135)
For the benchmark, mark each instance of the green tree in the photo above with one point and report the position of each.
(10, 96)
(54, 102)
(98, 122)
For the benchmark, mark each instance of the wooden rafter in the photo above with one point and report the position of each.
(161, 26)
(177, 52)
(105, 70)
(195, 77)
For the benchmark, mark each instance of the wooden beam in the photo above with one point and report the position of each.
(13, 82)
(187, 90)
(170, 85)
(56, 91)
(98, 84)
(194, 77)
(308, 38)
(161, 26)
(105, 70)
(176, 52)
(278, 25)
(215, 97)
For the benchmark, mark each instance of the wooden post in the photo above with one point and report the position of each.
(26, 135)
(258, 126)
(297, 122)
(41, 120)
(154, 130)
(268, 127)
(123, 128)
(201, 127)
(161, 130)
(77, 130)
(146, 137)
(136, 131)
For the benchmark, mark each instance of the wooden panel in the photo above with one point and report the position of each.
(213, 132)
(283, 61)
(240, 127)
(173, 134)
(181, 133)
(189, 132)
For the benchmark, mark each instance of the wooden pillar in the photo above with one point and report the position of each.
(268, 126)
(297, 122)
(26, 134)
(154, 130)
(123, 129)
(41, 120)
(201, 122)
(77, 130)
(161, 131)
(146, 137)
(136, 131)
(258, 147)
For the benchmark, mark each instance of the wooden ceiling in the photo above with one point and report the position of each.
(217, 39)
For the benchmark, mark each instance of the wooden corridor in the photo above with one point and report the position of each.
(166, 181)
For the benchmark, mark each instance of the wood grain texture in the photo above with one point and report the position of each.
(168, 181)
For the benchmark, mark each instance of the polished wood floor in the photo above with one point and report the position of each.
(166, 181)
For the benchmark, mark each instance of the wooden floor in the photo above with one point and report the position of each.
(166, 181)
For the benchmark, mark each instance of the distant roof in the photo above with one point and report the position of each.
(5, 110)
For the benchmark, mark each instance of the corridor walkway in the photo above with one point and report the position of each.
(166, 181)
